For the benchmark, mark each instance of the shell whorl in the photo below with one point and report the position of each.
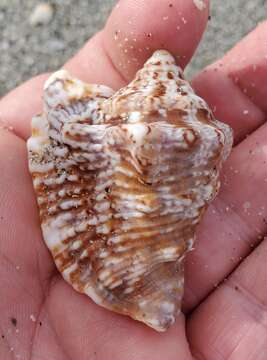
(122, 180)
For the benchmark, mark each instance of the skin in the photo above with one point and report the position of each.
(41, 316)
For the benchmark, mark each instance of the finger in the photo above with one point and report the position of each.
(17, 205)
(231, 323)
(128, 39)
(87, 331)
(235, 222)
(113, 56)
(19, 105)
(25, 264)
(234, 86)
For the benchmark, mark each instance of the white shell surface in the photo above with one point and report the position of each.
(122, 180)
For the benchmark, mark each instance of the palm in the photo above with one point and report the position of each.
(42, 317)
(55, 321)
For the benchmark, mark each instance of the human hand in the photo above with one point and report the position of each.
(41, 316)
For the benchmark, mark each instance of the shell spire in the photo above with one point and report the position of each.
(122, 180)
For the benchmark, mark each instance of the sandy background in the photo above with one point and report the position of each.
(26, 50)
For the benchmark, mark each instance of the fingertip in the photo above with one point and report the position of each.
(93, 65)
(234, 87)
(247, 65)
(137, 28)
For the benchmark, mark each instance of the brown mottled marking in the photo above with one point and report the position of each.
(160, 90)
(176, 117)
(36, 132)
(204, 116)
(190, 137)
(67, 83)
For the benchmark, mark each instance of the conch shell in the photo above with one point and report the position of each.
(122, 179)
